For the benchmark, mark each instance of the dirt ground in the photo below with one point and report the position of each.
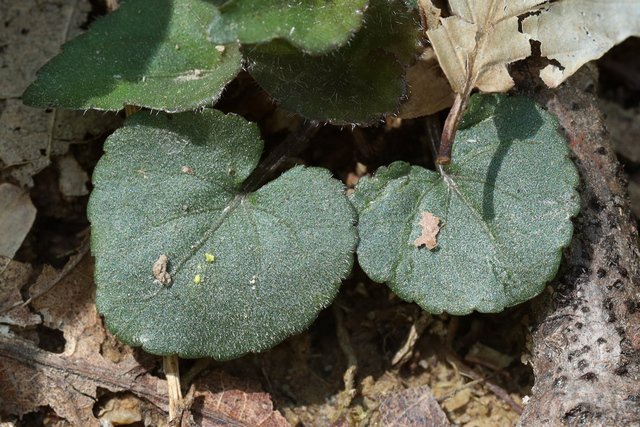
(59, 366)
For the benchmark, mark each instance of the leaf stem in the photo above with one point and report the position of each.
(450, 129)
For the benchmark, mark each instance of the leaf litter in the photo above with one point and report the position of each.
(17, 214)
(31, 137)
(94, 369)
(476, 43)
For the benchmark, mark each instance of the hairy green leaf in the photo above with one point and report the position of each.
(150, 53)
(504, 205)
(187, 263)
(315, 27)
(358, 83)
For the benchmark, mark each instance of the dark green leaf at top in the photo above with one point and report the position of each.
(149, 53)
(315, 27)
(187, 263)
(358, 83)
(504, 207)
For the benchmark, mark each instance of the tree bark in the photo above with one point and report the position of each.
(586, 333)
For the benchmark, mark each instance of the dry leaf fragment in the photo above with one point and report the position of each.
(13, 276)
(17, 214)
(429, 88)
(578, 31)
(160, 270)
(474, 47)
(430, 229)
(412, 407)
(240, 399)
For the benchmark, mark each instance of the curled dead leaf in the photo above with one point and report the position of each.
(430, 228)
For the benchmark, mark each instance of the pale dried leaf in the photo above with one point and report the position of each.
(475, 45)
(122, 410)
(429, 88)
(430, 228)
(430, 14)
(17, 214)
(574, 32)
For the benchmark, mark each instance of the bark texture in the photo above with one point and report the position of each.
(586, 333)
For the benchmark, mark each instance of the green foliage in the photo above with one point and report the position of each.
(307, 25)
(246, 270)
(150, 53)
(504, 204)
(191, 260)
(358, 83)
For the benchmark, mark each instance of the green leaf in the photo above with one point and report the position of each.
(150, 53)
(315, 27)
(504, 206)
(246, 270)
(358, 83)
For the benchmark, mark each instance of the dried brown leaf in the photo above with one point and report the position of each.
(239, 399)
(13, 276)
(430, 228)
(429, 89)
(413, 407)
(70, 307)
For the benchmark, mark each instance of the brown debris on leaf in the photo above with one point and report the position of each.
(160, 270)
(430, 228)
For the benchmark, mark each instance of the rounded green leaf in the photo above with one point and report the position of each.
(315, 27)
(240, 272)
(149, 53)
(358, 83)
(504, 206)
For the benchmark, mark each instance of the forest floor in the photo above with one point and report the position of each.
(60, 366)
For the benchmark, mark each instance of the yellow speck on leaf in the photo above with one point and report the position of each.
(197, 279)
(430, 229)
(209, 257)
